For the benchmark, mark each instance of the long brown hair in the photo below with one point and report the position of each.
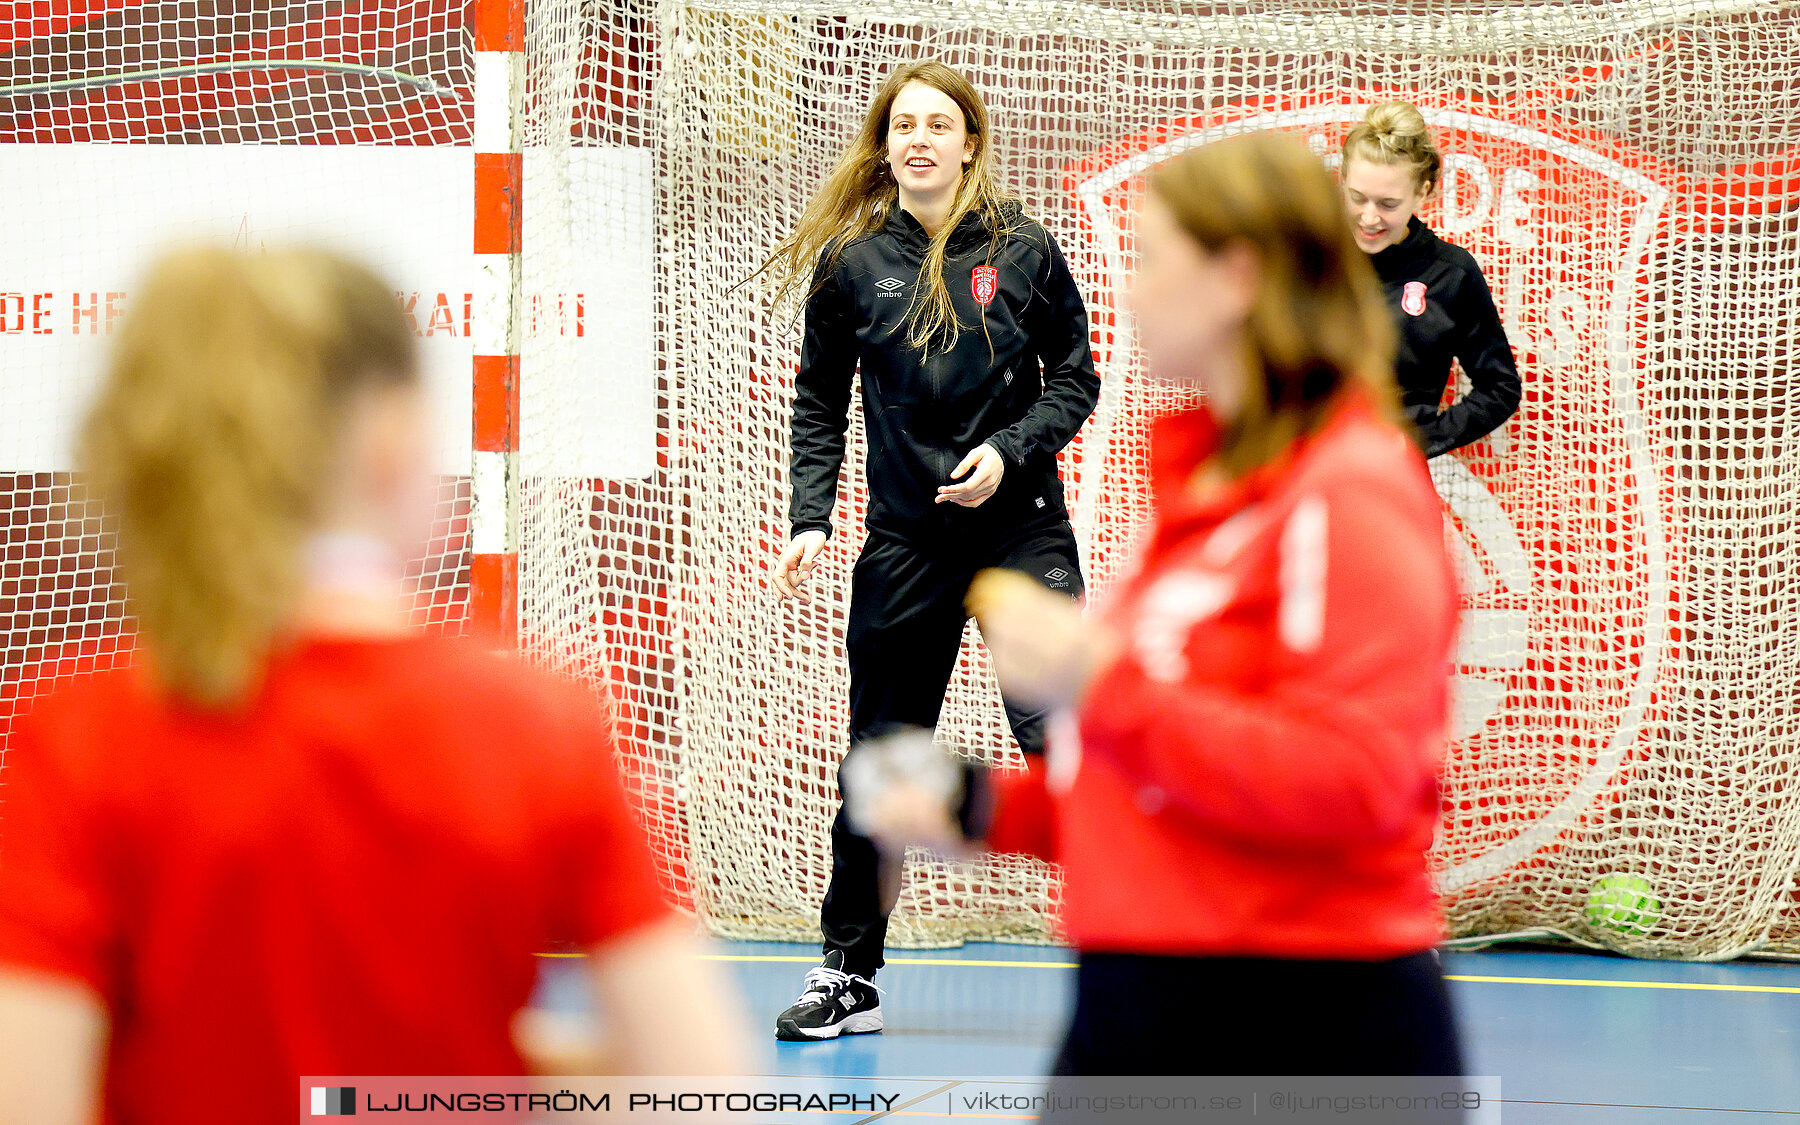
(1395, 133)
(1318, 323)
(211, 442)
(860, 194)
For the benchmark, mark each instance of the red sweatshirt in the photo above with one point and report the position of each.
(1257, 774)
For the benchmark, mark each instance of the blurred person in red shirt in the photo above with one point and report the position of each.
(1245, 781)
(299, 838)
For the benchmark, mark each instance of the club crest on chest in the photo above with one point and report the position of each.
(1412, 298)
(984, 282)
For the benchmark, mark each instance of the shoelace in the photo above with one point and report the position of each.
(821, 980)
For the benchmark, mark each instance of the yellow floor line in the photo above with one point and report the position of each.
(1571, 982)
(1673, 985)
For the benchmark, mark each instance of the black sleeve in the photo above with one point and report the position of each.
(1071, 389)
(1487, 359)
(821, 406)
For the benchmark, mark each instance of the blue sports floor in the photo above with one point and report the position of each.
(1576, 1038)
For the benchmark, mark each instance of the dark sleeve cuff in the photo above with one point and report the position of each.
(1008, 449)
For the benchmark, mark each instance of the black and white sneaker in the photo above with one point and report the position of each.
(833, 1003)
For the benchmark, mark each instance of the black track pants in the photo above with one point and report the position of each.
(905, 630)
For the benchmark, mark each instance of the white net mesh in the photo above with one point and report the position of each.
(600, 535)
(1626, 173)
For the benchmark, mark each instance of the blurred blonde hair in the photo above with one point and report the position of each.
(212, 440)
(1318, 322)
(860, 194)
(1395, 133)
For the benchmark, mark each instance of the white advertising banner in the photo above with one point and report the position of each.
(82, 220)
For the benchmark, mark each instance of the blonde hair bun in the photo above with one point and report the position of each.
(1396, 133)
(1400, 121)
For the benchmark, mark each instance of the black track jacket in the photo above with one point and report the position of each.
(1026, 399)
(1443, 308)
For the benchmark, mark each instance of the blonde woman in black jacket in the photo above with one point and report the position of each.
(1439, 299)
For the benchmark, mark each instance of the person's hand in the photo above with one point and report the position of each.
(984, 467)
(556, 1043)
(902, 789)
(796, 565)
(908, 813)
(1045, 652)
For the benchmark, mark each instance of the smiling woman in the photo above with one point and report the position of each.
(1439, 299)
(910, 247)
(925, 106)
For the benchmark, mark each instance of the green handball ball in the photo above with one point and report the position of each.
(1623, 903)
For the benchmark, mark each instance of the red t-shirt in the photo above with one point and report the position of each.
(349, 876)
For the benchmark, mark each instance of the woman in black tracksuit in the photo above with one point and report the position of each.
(973, 344)
(1440, 302)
